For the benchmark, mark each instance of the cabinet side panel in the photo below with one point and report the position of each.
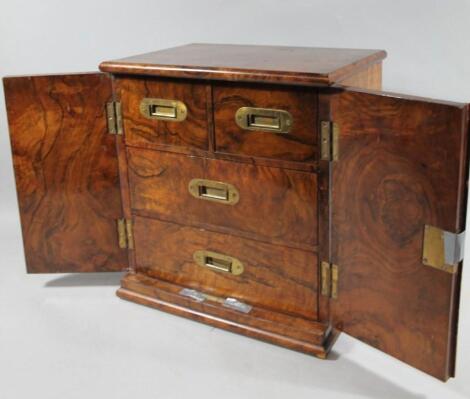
(369, 78)
(461, 223)
(324, 216)
(66, 172)
(401, 167)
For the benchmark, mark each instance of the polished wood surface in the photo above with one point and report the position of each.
(274, 277)
(66, 172)
(292, 332)
(403, 164)
(270, 64)
(300, 144)
(139, 130)
(369, 78)
(277, 205)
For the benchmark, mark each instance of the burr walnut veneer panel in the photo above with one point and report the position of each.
(403, 165)
(231, 62)
(66, 172)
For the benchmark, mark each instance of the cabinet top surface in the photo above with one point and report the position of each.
(270, 64)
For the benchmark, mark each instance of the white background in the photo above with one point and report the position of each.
(70, 337)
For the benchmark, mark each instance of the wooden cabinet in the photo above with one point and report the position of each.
(271, 191)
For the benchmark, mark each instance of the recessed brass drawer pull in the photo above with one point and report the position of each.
(264, 119)
(223, 193)
(218, 262)
(167, 110)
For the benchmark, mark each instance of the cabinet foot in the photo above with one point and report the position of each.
(292, 332)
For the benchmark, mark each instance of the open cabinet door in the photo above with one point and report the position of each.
(402, 166)
(66, 172)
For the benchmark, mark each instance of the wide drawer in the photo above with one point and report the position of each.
(266, 275)
(264, 121)
(273, 204)
(161, 112)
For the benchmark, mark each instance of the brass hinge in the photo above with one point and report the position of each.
(114, 117)
(329, 280)
(442, 249)
(329, 141)
(125, 233)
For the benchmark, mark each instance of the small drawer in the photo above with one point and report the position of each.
(161, 112)
(274, 204)
(265, 121)
(223, 265)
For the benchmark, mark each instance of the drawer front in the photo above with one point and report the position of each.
(160, 112)
(273, 277)
(266, 122)
(279, 205)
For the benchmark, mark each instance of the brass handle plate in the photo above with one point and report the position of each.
(162, 109)
(264, 119)
(210, 190)
(218, 262)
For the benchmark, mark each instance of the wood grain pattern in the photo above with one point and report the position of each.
(275, 204)
(274, 277)
(269, 64)
(403, 163)
(190, 133)
(66, 172)
(291, 332)
(370, 78)
(300, 144)
(407, 158)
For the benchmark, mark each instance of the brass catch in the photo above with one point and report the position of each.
(264, 119)
(441, 249)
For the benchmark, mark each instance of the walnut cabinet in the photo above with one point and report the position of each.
(275, 192)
